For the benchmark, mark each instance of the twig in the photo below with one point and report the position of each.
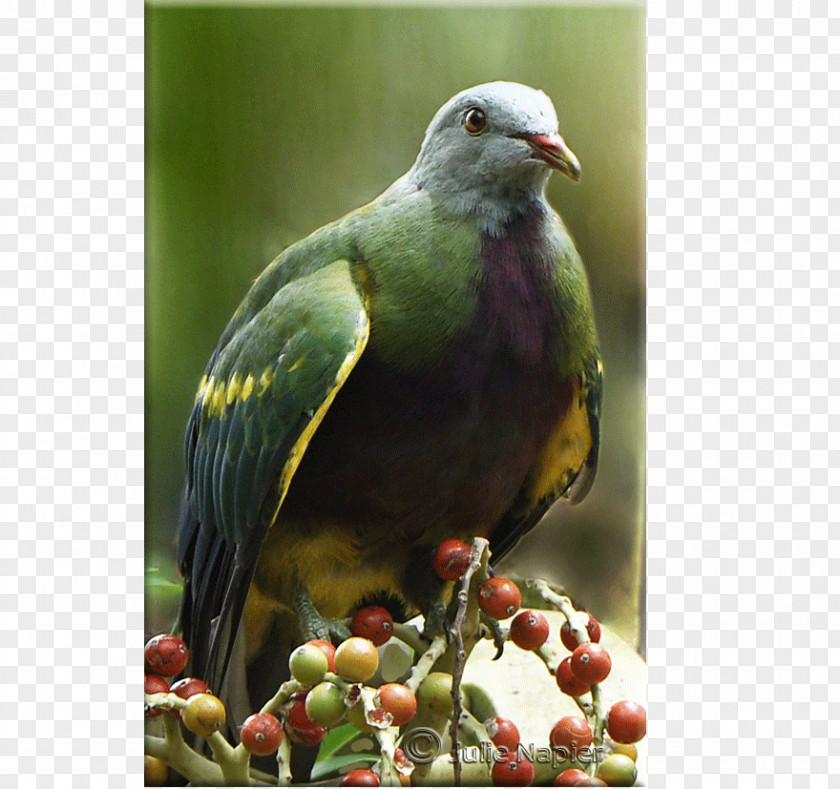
(427, 660)
(282, 696)
(551, 656)
(479, 547)
(599, 714)
(385, 734)
(578, 620)
(172, 749)
(387, 746)
(284, 763)
(164, 701)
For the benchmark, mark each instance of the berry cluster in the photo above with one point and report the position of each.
(329, 686)
(576, 675)
(328, 693)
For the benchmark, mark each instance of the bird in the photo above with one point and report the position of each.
(425, 367)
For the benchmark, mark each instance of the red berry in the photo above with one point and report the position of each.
(529, 630)
(155, 684)
(452, 559)
(295, 711)
(300, 728)
(513, 772)
(360, 778)
(328, 649)
(398, 700)
(306, 737)
(593, 629)
(186, 687)
(570, 736)
(166, 655)
(503, 733)
(499, 598)
(627, 722)
(568, 682)
(570, 777)
(261, 734)
(373, 623)
(591, 663)
(189, 686)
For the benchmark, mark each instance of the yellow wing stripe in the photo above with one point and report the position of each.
(215, 395)
(360, 335)
(566, 451)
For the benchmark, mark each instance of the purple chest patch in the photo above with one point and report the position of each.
(514, 300)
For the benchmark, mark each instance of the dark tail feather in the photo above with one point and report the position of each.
(225, 633)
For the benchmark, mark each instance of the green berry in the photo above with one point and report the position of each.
(617, 770)
(435, 692)
(325, 704)
(308, 664)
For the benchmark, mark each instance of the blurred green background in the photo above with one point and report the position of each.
(265, 122)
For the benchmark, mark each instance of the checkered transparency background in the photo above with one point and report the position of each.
(743, 403)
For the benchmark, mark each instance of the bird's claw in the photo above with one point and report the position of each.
(326, 629)
(498, 632)
(313, 625)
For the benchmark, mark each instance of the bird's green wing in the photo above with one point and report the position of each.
(566, 466)
(265, 392)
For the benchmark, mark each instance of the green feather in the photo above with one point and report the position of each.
(263, 389)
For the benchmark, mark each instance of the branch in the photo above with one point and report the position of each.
(427, 660)
(282, 696)
(172, 749)
(479, 550)
(578, 620)
(284, 762)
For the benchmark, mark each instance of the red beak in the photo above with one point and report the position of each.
(552, 149)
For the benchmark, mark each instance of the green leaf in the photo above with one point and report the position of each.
(337, 738)
(335, 752)
(331, 766)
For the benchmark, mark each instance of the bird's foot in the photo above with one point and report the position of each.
(497, 631)
(314, 626)
(327, 629)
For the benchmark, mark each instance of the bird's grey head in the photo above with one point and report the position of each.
(491, 148)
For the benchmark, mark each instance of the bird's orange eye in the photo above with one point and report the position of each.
(475, 121)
